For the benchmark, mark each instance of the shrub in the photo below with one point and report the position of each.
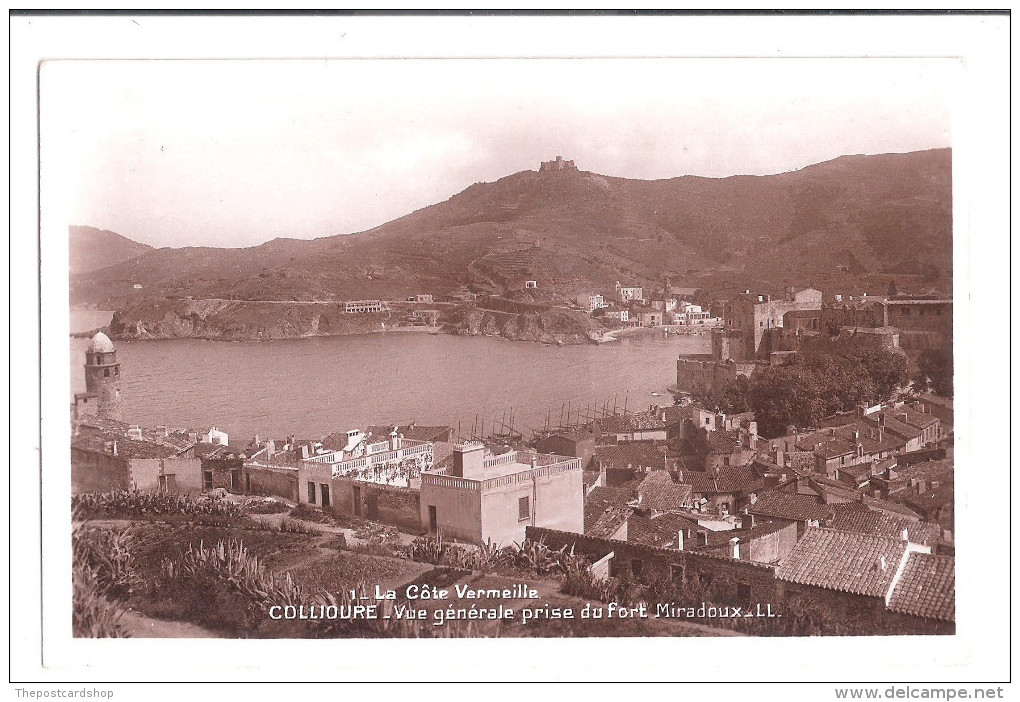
(93, 615)
(154, 504)
(293, 526)
(102, 568)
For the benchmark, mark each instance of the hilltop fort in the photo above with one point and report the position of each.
(558, 165)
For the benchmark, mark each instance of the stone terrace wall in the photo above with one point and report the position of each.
(266, 481)
(388, 504)
(726, 580)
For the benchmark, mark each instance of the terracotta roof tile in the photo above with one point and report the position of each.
(728, 479)
(608, 523)
(839, 560)
(601, 498)
(889, 506)
(868, 521)
(659, 491)
(927, 587)
(96, 439)
(632, 455)
(786, 505)
(640, 421)
(660, 530)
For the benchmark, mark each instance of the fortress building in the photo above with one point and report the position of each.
(558, 165)
(102, 381)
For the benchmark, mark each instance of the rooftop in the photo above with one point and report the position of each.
(101, 344)
(927, 587)
(96, 439)
(608, 522)
(861, 564)
(660, 530)
(727, 479)
(660, 492)
(876, 523)
(632, 454)
(786, 505)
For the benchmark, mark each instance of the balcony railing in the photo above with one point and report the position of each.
(546, 465)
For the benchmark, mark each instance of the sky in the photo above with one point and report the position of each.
(235, 153)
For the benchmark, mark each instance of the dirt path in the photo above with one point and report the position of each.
(140, 626)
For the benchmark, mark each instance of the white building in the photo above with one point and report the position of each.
(591, 302)
(628, 294)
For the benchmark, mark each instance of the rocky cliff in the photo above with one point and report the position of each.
(245, 320)
(240, 320)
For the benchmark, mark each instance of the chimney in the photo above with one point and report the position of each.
(881, 563)
(735, 544)
(704, 537)
(680, 540)
(534, 462)
(304, 451)
(906, 536)
(270, 448)
(114, 447)
(832, 432)
(468, 460)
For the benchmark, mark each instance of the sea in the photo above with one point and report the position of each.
(315, 386)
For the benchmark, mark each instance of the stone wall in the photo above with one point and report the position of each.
(727, 581)
(98, 472)
(388, 504)
(271, 482)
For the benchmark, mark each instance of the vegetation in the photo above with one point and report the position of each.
(935, 371)
(532, 557)
(102, 569)
(136, 504)
(827, 377)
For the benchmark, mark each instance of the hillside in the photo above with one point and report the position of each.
(851, 222)
(92, 249)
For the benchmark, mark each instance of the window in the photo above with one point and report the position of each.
(311, 492)
(523, 509)
(207, 479)
(106, 372)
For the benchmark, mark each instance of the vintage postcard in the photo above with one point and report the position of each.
(552, 345)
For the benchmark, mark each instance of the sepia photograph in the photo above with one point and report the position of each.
(535, 346)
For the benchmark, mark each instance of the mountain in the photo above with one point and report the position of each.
(92, 249)
(837, 225)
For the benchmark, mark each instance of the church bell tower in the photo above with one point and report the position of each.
(102, 376)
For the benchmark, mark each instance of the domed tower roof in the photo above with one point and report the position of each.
(101, 344)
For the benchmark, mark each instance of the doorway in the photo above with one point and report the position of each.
(433, 520)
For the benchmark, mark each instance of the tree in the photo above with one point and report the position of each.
(731, 399)
(832, 377)
(893, 292)
(935, 371)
